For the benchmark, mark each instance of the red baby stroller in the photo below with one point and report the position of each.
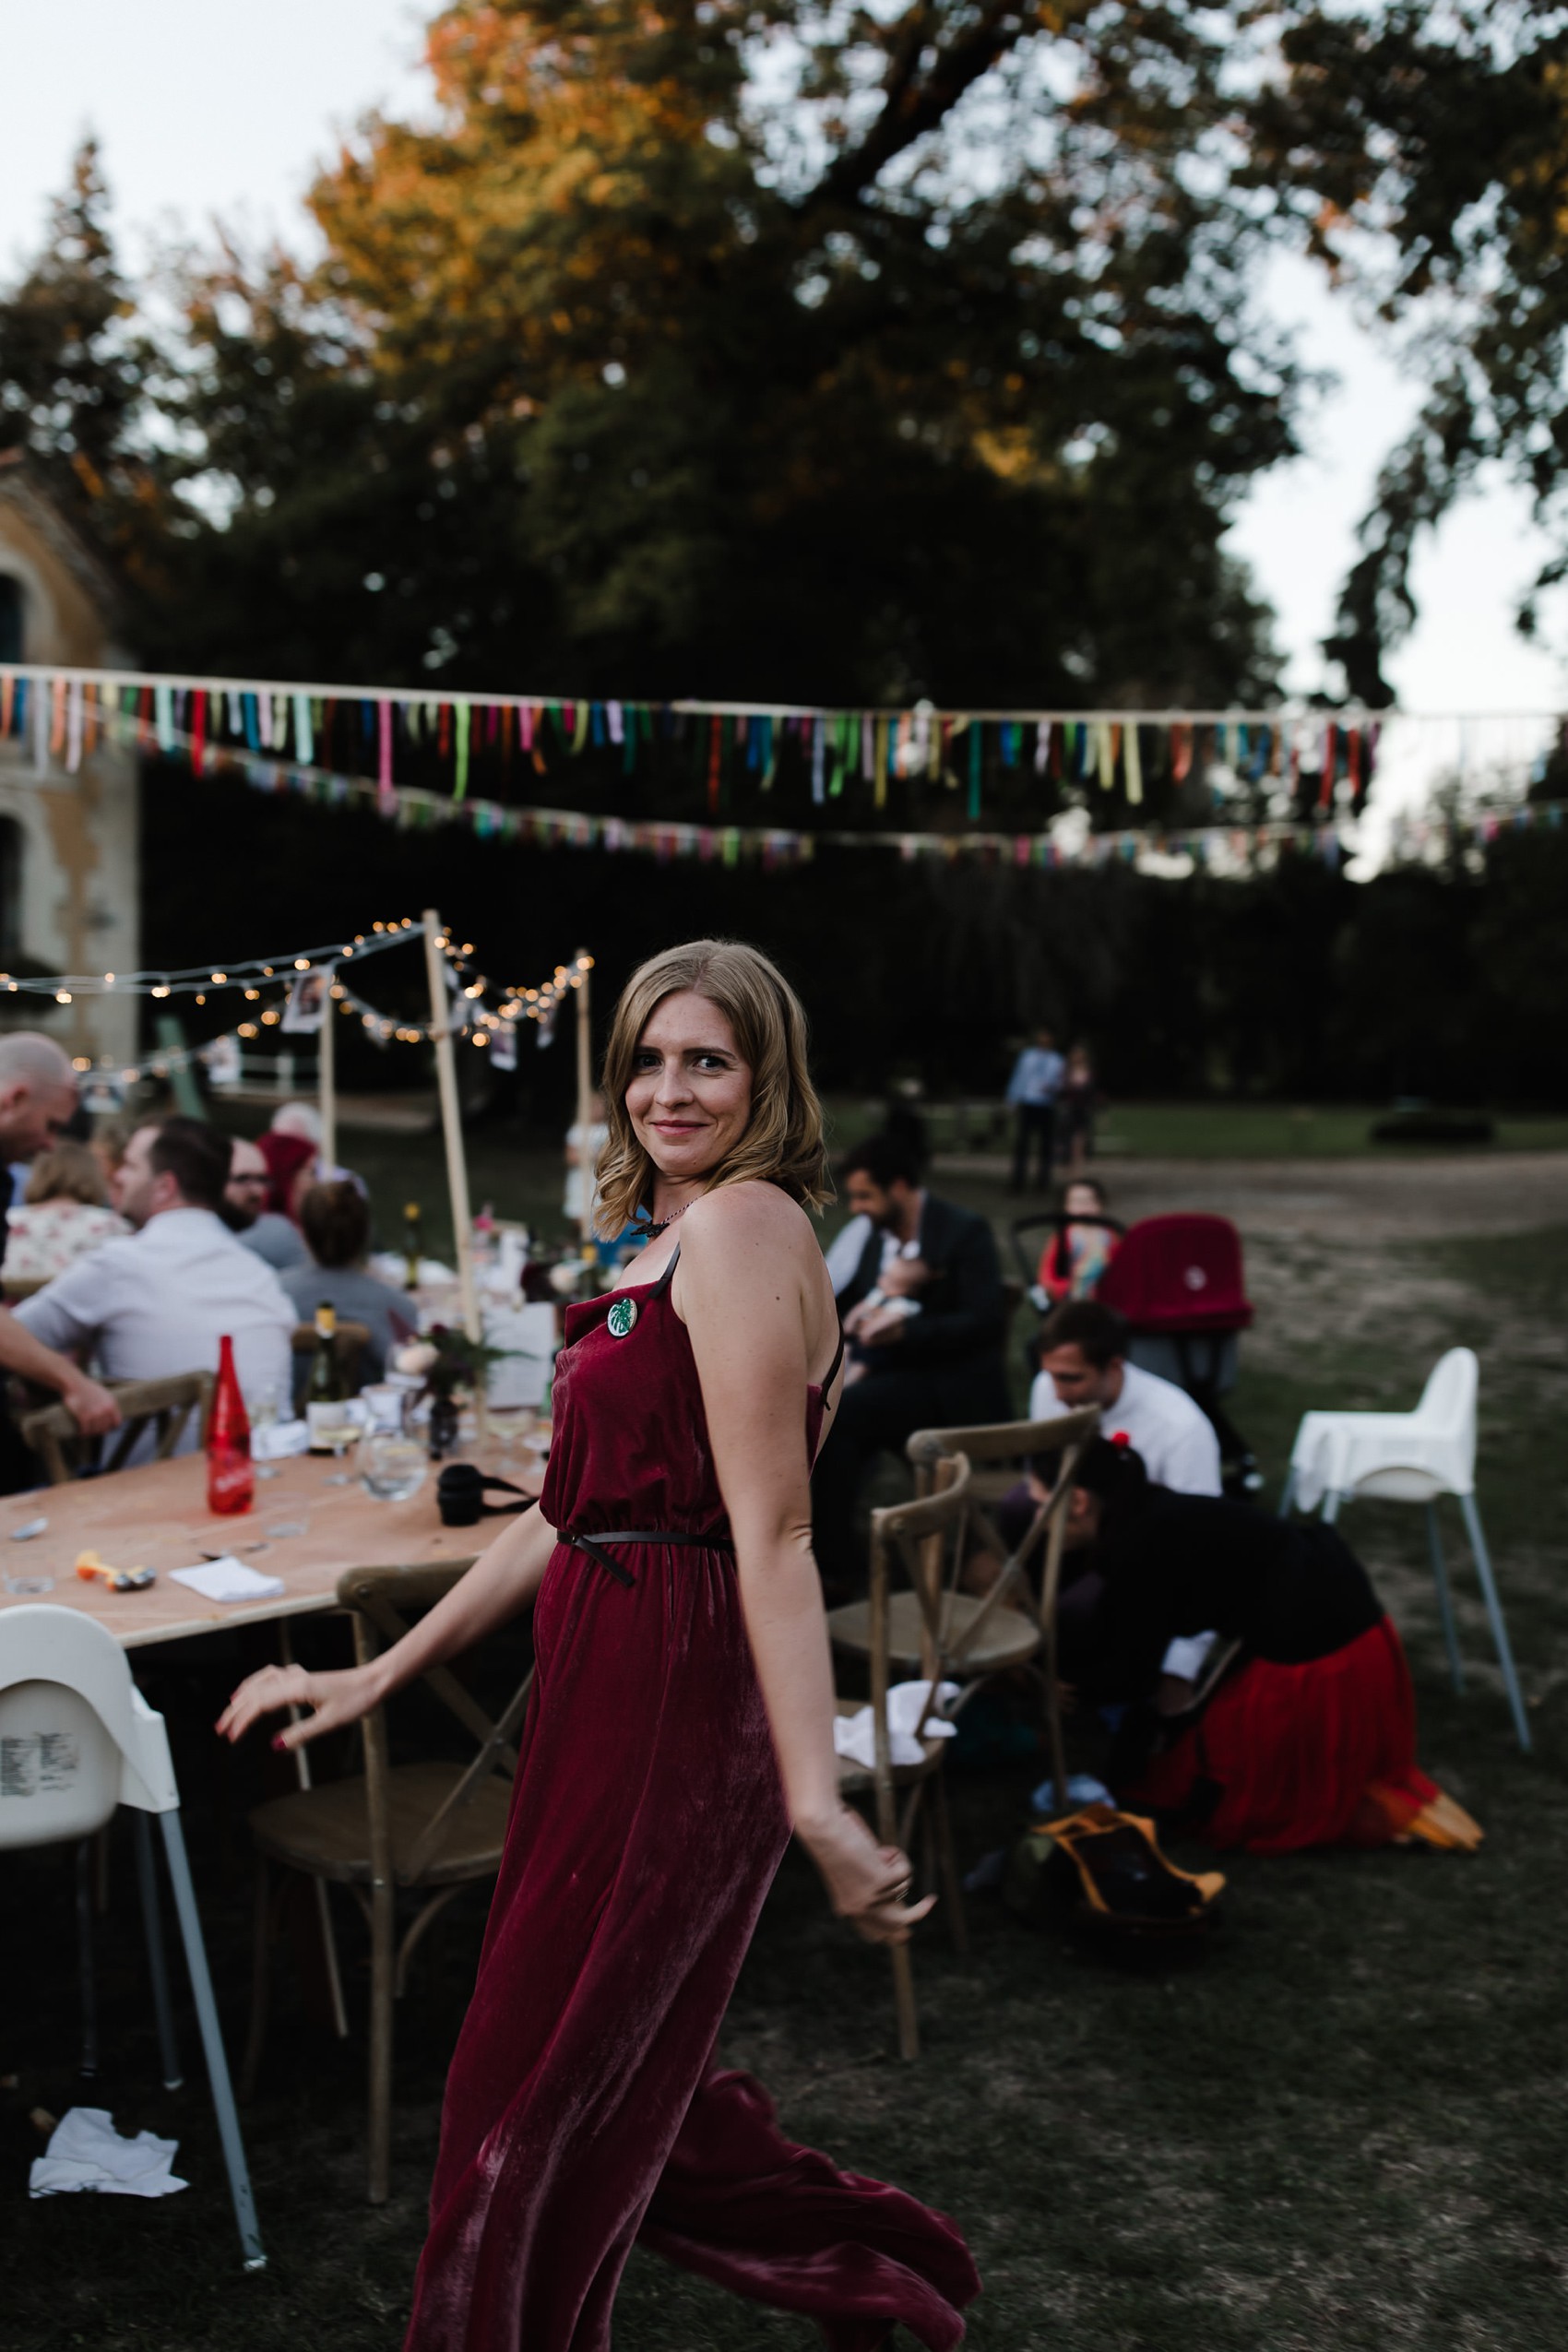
(1178, 1279)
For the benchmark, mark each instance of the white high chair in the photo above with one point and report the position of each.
(78, 1741)
(1411, 1457)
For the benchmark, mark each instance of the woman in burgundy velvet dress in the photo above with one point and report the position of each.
(682, 1726)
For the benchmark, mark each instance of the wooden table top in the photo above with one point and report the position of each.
(303, 1527)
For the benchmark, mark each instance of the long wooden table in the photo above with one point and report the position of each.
(158, 1518)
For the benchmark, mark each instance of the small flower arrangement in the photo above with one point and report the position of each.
(446, 1359)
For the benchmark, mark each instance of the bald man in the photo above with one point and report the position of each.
(38, 1094)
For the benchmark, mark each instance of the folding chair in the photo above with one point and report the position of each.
(980, 1636)
(166, 1405)
(1412, 1458)
(79, 1741)
(436, 1827)
(908, 1531)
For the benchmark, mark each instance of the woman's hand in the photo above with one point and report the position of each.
(337, 1699)
(867, 1883)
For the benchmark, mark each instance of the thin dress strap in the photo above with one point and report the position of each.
(823, 1385)
(663, 1282)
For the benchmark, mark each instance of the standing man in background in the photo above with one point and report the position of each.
(1032, 1090)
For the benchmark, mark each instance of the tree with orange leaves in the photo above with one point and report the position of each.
(755, 348)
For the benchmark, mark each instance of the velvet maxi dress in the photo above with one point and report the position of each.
(584, 2109)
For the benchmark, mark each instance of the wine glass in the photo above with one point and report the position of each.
(265, 1406)
(340, 1436)
(392, 1465)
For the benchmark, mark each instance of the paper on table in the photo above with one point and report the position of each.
(527, 1333)
(276, 1440)
(86, 2152)
(228, 1579)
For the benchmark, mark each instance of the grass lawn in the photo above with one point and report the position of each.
(1346, 2128)
(520, 1171)
(1275, 1131)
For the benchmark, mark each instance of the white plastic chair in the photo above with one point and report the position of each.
(78, 1741)
(1411, 1457)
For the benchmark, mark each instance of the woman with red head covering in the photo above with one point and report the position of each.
(291, 1165)
(1310, 1740)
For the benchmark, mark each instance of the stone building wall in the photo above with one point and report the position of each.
(69, 845)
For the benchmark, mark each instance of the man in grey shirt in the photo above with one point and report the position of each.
(159, 1300)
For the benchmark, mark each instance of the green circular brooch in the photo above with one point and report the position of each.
(621, 1318)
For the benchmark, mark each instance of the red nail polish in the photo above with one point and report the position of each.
(279, 1741)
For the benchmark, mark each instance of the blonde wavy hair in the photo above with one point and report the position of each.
(782, 1143)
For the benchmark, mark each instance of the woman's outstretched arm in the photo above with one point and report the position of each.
(751, 1284)
(504, 1580)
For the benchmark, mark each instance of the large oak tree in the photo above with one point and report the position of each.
(758, 348)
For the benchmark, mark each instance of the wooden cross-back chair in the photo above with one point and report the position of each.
(434, 1827)
(906, 1535)
(981, 1635)
(55, 1436)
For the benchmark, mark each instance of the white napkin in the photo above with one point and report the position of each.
(86, 2152)
(854, 1736)
(228, 1579)
(276, 1440)
(392, 1266)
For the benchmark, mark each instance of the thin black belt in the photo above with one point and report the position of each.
(590, 1544)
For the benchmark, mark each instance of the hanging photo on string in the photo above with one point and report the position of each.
(224, 1067)
(103, 1097)
(459, 1018)
(504, 1046)
(306, 1008)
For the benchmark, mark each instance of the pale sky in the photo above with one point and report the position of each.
(208, 109)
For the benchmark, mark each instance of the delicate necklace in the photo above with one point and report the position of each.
(664, 1224)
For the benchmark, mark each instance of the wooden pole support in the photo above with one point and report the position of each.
(585, 1094)
(327, 1075)
(451, 1122)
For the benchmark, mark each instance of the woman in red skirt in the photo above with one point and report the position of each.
(1310, 1739)
(681, 1729)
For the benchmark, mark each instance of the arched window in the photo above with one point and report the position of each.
(10, 618)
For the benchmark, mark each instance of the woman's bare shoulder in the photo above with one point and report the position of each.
(735, 1221)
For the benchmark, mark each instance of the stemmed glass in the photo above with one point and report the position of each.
(340, 1436)
(264, 1406)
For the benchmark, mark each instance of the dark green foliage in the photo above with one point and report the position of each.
(1297, 985)
(731, 349)
(1442, 132)
(77, 375)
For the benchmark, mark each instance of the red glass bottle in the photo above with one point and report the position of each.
(231, 1482)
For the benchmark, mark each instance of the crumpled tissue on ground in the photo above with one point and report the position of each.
(854, 1736)
(86, 2152)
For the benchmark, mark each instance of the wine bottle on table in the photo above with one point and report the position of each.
(231, 1480)
(324, 1385)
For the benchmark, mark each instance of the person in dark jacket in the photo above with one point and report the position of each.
(1310, 1739)
(924, 1324)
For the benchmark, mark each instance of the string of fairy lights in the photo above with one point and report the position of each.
(481, 1009)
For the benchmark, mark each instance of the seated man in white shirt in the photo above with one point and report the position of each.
(157, 1302)
(1083, 1361)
